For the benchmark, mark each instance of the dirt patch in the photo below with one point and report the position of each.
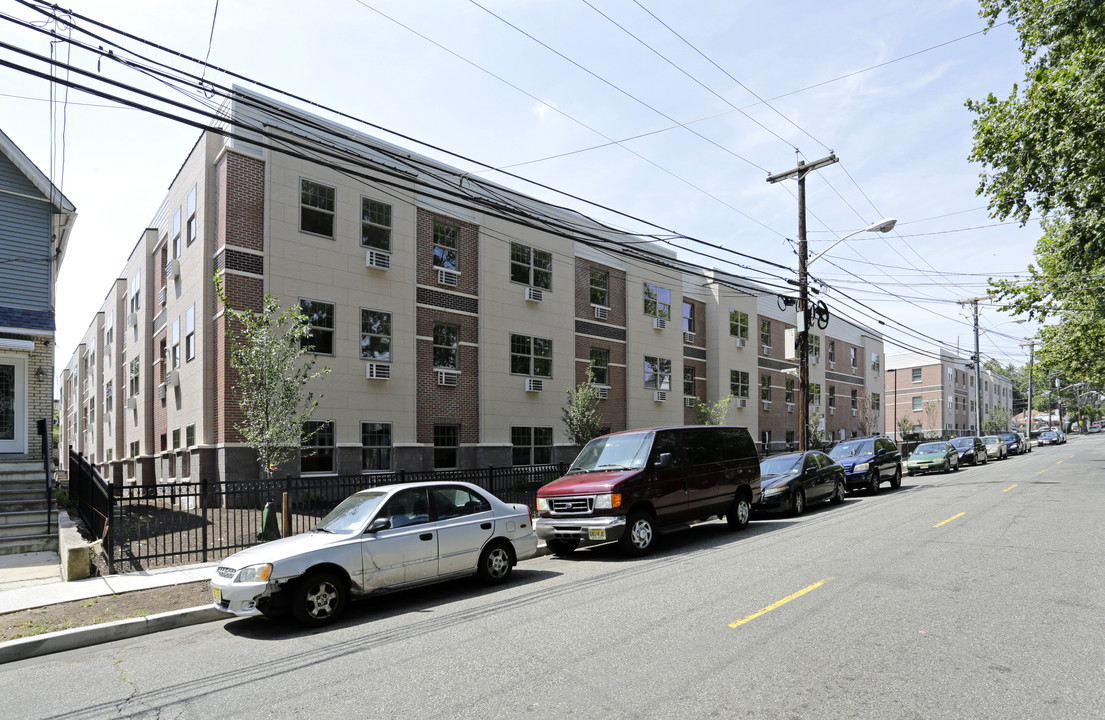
(108, 608)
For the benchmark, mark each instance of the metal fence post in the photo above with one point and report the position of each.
(203, 515)
(109, 536)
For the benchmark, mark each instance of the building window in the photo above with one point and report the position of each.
(657, 373)
(765, 336)
(173, 454)
(446, 239)
(375, 446)
(375, 335)
(832, 351)
(190, 205)
(876, 402)
(91, 412)
(136, 291)
(320, 318)
(789, 393)
(446, 341)
(189, 436)
(135, 370)
(531, 446)
(657, 301)
(190, 333)
(108, 402)
(446, 446)
(600, 366)
(738, 324)
(375, 225)
(738, 383)
(916, 375)
(853, 355)
(175, 355)
(815, 394)
(600, 288)
(789, 436)
(855, 400)
(875, 364)
(317, 453)
(815, 345)
(832, 396)
(176, 233)
(688, 317)
(530, 266)
(316, 208)
(688, 381)
(530, 356)
(765, 387)
(917, 404)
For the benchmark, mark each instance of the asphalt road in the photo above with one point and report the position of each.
(977, 594)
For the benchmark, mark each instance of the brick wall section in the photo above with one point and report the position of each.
(40, 391)
(243, 218)
(468, 248)
(230, 259)
(689, 415)
(612, 409)
(160, 405)
(443, 405)
(699, 322)
(611, 336)
(617, 289)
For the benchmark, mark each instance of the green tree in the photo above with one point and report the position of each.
(268, 352)
(582, 421)
(997, 422)
(712, 413)
(1042, 151)
(817, 429)
(905, 426)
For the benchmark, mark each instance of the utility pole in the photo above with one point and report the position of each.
(1031, 344)
(803, 317)
(978, 369)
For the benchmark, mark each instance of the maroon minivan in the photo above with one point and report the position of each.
(628, 486)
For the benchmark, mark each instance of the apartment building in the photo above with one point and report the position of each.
(936, 390)
(453, 314)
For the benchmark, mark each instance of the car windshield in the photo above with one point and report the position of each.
(1049, 434)
(351, 513)
(931, 448)
(1007, 437)
(852, 448)
(781, 465)
(964, 442)
(628, 451)
(991, 439)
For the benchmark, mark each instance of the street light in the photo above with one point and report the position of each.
(884, 225)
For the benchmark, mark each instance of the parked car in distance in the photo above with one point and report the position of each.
(793, 481)
(933, 456)
(1014, 443)
(868, 462)
(630, 486)
(996, 447)
(1048, 437)
(1095, 427)
(386, 538)
(971, 450)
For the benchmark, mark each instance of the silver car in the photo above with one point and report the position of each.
(378, 540)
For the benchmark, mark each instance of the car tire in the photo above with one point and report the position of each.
(896, 481)
(974, 459)
(739, 513)
(956, 468)
(639, 537)
(562, 548)
(838, 493)
(496, 563)
(873, 481)
(319, 599)
(799, 503)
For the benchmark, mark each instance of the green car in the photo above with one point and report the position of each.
(932, 456)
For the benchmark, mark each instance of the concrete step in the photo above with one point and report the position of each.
(18, 504)
(21, 529)
(24, 484)
(21, 468)
(22, 495)
(21, 517)
(29, 544)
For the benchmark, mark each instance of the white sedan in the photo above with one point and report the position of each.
(386, 538)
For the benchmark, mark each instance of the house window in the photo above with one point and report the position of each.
(855, 400)
(531, 445)
(815, 394)
(530, 356)
(176, 233)
(375, 225)
(853, 356)
(108, 401)
(176, 343)
(530, 266)
(789, 393)
(163, 359)
(317, 453)
(600, 366)
(190, 205)
(446, 238)
(875, 362)
(815, 345)
(738, 383)
(765, 335)
(657, 373)
(375, 446)
(189, 436)
(91, 412)
(446, 341)
(320, 318)
(109, 330)
(832, 351)
(136, 291)
(657, 301)
(738, 324)
(446, 446)
(316, 208)
(688, 380)
(176, 439)
(135, 369)
(916, 375)
(917, 404)
(688, 317)
(375, 335)
(789, 437)
(190, 333)
(600, 288)
(765, 387)
(832, 396)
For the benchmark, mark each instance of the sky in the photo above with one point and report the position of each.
(670, 112)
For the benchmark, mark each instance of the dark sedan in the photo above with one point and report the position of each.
(1048, 437)
(1016, 444)
(790, 482)
(971, 450)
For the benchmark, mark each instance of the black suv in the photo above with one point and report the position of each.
(868, 462)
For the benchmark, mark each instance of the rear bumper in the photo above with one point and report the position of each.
(612, 527)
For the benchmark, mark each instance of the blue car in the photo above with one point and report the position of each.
(868, 462)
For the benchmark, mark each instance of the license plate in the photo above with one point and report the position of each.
(218, 594)
(596, 533)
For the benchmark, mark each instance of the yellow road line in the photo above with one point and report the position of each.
(780, 603)
(953, 517)
(1010, 487)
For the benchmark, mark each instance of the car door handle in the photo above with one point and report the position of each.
(426, 536)
(485, 526)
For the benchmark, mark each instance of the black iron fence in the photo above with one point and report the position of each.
(183, 523)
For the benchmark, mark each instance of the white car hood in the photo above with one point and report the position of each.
(282, 549)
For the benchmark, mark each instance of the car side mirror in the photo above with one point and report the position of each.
(666, 460)
(379, 524)
(880, 451)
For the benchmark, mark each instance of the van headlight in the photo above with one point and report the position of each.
(254, 573)
(608, 502)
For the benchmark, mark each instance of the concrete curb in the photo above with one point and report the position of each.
(63, 640)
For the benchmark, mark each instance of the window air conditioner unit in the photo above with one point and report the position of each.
(602, 393)
(767, 404)
(876, 372)
(534, 294)
(855, 370)
(172, 269)
(161, 391)
(689, 401)
(742, 342)
(688, 337)
(832, 365)
(660, 395)
(172, 378)
(534, 385)
(377, 371)
(378, 260)
(815, 359)
(132, 319)
(602, 313)
(659, 323)
(742, 402)
(790, 407)
(132, 402)
(447, 377)
(855, 412)
(161, 296)
(766, 349)
(447, 277)
(832, 411)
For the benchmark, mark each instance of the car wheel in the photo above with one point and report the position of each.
(739, 513)
(838, 494)
(319, 599)
(873, 481)
(562, 548)
(640, 534)
(956, 467)
(896, 481)
(496, 563)
(799, 504)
